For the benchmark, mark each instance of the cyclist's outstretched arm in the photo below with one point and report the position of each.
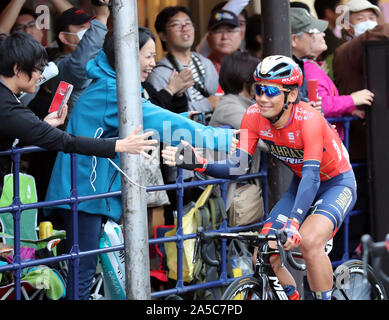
(186, 157)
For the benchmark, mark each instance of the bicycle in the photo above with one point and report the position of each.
(264, 284)
(376, 250)
(364, 281)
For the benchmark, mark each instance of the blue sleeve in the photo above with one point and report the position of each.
(235, 166)
(307, 189)
(171, 128)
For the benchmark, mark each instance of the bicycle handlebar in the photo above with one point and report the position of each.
(376, 250)
(253, 237)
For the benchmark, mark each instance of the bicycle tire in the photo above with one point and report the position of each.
(248, 288)
(355, 286)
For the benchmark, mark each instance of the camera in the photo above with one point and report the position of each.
(101, 3)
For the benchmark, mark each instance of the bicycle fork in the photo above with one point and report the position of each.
(269, 280)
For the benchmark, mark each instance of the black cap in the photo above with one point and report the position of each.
(74, 16)
(223, 17)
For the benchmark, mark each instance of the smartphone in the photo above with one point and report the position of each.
(61, 97)
(312, 89)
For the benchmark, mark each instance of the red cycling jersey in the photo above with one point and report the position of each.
(306, 136)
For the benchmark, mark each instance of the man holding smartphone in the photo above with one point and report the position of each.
(22, 60)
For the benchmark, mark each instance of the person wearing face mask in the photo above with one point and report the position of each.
(361, 25)
(80, 37)
(333, 104)
(363, 16)
(348, 63)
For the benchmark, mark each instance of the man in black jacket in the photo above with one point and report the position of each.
(22, 60)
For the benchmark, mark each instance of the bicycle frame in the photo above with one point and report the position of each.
(263, 270)
(265, 273)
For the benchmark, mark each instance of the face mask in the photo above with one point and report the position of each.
(362, 27)
(79, 35)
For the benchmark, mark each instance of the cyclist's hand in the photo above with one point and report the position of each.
(184, 156)
(291, 228)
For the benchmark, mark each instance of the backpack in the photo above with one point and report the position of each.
(208, 211)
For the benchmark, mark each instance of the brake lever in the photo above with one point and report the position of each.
(365, 254)
(281, 250)
(281, 239)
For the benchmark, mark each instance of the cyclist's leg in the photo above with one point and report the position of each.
(315, 232)
(334, 201)
(277, 219)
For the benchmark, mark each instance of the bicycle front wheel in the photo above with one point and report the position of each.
(248, 288)
(351, 283)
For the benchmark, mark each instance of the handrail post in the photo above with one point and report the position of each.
(75, 250)
(180, 230)
(16, 216)
(223, 227)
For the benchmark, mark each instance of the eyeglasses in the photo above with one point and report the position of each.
(39, 69)
(177, 26)
(23, 27)
(269, 91)
(221, 31)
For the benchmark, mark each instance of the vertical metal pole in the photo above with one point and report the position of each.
(180, 230)
(223, 269)
(276, 27)
(16, 216)
(276, 35)
(75, 250)
(134, 213)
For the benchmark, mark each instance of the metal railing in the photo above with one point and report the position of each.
(346, 223)
(16, 208)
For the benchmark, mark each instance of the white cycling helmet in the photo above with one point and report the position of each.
(279, 69)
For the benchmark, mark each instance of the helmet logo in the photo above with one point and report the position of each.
(291, 79)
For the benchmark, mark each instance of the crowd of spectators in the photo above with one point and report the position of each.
(214, 78)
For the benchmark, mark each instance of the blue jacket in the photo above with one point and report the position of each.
(97, 108)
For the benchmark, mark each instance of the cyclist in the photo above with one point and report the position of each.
(323, 188)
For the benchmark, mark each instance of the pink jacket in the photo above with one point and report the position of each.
(333, 104)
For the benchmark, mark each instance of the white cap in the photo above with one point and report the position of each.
(360, 5)
(50, 71)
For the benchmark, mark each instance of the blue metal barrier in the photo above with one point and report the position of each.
(180, 236)
(74, 199)
(346, 223)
